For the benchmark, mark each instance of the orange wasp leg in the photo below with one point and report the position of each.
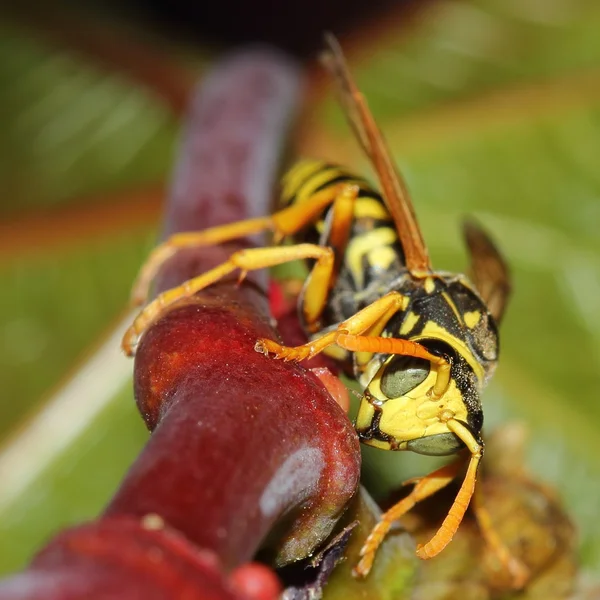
(190, 239)
(457, 511)
(347, 336)
(368, 343)
(424, 487)
(284, 222)
(372, 316)
(245, 260)
(517, 570)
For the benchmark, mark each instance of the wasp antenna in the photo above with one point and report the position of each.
(370, 138)
(332, 58)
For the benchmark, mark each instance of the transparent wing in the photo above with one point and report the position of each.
(489, 271)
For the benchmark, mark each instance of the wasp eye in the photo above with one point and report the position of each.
(402, 374)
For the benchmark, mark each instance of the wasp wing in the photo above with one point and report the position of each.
(490, 272)
(370, 138)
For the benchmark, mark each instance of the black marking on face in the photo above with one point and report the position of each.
(466, 382)
(372, 432)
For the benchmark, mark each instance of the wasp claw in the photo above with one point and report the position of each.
(362, 569)
(261, 348)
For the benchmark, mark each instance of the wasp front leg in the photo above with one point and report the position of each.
(374, 316)
(424, 488)
(348, 335)
(457, 511)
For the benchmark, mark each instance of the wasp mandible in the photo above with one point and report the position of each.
(421, 343)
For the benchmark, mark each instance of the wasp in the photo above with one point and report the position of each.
(421, 343)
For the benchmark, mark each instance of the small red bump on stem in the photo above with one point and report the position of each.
(254, 581)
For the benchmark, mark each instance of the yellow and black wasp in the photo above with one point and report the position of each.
(421, 343)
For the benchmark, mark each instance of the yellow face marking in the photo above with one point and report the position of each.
(362, 245)
(409, 323)
(415, 415)
(365, 416)
(378, 444)
(429, 285)
(471, 318)
(433, 330)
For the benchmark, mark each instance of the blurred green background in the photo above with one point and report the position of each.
(491, 107)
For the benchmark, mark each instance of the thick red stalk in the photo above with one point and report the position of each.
(246, 453)
(239, 440)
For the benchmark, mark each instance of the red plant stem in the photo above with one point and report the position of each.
(246, 452)
(239, 440)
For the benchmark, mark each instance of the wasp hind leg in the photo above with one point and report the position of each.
(518, 572)
(190, 239)
(284, 222)
(244, 260)
(287, 221)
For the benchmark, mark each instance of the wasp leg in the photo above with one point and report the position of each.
(457, 511)
(372, 318)
(284, 222)
(370, 343)
(313, 300)
(245, 260)
(424, 487)
(517, 570)
(190, 239)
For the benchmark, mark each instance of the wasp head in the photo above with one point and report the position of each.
(399, 412)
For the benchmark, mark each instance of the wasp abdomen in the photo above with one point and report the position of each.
(373, 247)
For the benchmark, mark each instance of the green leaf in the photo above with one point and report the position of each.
(73, 133)
(70, 129)
(53, 307)
(79, 457)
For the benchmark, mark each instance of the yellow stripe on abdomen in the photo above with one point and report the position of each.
(297, 177)
(318, 181)
(370, 246)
